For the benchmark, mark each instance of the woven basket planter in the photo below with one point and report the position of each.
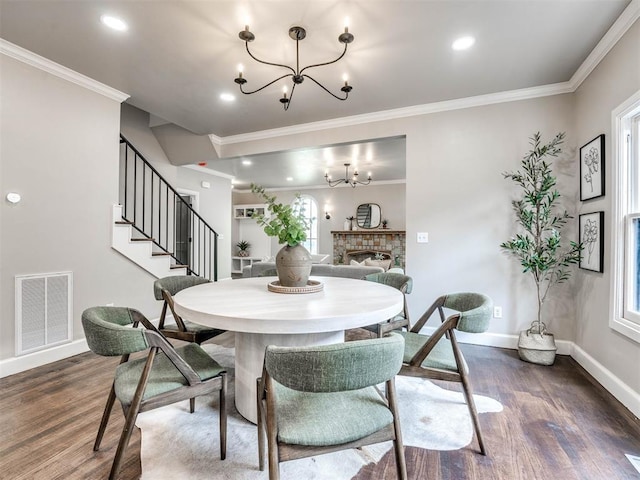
(537, 348)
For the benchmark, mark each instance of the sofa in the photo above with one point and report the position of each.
(265, 269)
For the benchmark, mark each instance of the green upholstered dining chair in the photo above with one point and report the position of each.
(438, 356)
(321, 399)
(402, 282)
(166, 375)
(164, 289)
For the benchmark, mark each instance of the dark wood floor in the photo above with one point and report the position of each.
(557, 423)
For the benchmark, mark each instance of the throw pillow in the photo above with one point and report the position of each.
(378, 263)
(358, 264)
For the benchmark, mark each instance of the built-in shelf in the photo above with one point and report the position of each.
(238, 263)
(248, 211)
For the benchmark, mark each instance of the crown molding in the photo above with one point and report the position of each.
(325, 186)
(396, 113)
(610, 39)
(208, 171)
(25, 56)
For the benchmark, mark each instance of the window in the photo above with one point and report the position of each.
(626, 218)
(310, 209)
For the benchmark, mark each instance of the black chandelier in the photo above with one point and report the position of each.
(297, 75)
(353, 181)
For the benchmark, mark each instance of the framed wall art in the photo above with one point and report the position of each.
(592, 169)
(591, 227)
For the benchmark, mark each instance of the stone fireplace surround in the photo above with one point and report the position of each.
(360, 244)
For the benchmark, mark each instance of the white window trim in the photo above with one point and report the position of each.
(631, 246)
(312, 220)
(617, 320)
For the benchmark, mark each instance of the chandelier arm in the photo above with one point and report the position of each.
(346, 95)
(333, 183)
(265, 86)
(286, 105)
(246, 44)
(327, 63)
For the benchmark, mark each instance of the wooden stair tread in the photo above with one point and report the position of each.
(157, 254)
(142, 239)
(178, 266)
(123, 222)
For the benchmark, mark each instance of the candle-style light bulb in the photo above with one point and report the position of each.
(345, 77)
(284, 92)
(240, 70)
(346, 25)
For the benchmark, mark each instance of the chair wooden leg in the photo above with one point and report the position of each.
(192, 405)
(468, 393)
(105, 418)
(260, 426)
(401, 465)
(127, 430)
(223, 418)
(272, 433)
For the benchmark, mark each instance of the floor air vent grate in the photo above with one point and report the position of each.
(43, 311)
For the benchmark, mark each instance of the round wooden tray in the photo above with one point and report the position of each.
(312, 286)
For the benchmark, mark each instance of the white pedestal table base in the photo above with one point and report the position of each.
(250, 358)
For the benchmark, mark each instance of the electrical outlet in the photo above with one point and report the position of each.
(423, 237)
(497, 312)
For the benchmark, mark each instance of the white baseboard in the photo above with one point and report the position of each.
(501, 340)
(608, 380)
(623, 393)
(13, 365)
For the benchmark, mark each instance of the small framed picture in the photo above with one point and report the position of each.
(592, 169)
(592, 237)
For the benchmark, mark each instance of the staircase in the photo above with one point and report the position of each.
(140, 250)
(155, 227)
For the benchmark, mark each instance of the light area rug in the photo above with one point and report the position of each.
(180, 445)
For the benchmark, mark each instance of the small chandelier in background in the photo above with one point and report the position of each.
(353, 181)
(297, 75)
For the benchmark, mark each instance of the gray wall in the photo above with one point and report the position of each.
(59, 150)
(615, 79)
(342, 202)
(456, 193)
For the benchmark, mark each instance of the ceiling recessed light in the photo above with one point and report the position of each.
(114, 23)
(227, 97)
(246, 162)
(289, 179)
(463, 43)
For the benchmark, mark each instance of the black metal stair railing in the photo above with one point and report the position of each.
(158, 212)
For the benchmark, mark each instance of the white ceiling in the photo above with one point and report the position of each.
(383, 158)
(177, 57)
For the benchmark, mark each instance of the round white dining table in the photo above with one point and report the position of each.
(261, 317)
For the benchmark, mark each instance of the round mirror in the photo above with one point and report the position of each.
(368, 215)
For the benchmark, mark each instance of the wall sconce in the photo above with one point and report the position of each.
(327, 211)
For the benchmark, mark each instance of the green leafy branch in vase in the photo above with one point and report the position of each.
(538, 247)
(286, 222)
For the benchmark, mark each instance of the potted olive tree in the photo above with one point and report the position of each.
(538, 244)
(289, 224)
